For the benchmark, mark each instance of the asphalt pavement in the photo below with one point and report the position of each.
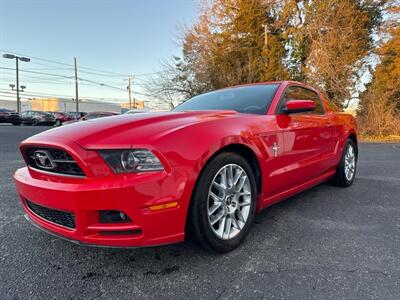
(325, 243)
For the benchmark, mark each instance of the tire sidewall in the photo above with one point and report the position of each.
(201, 202)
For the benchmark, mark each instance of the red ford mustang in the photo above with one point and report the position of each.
(204, 169)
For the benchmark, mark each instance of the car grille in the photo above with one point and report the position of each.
(63, 163)
(59, 217)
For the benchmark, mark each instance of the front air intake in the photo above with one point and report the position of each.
(63, 218)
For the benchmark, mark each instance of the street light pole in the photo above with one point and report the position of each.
(17, 58)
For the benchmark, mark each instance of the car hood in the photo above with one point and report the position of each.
(124, 130)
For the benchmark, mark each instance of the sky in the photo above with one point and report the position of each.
(124, 37)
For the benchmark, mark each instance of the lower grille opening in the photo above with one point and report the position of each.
(58, 217)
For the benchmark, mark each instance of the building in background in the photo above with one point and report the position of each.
(63, 104)
(137, 104)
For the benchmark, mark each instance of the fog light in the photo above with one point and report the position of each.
(113, 216)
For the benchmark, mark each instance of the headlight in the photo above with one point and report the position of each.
(132, 160)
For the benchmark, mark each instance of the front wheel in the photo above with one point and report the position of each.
(224, 203)
(346, 170)
(35, 122)
(58, 123)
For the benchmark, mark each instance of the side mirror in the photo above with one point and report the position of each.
(296, 106)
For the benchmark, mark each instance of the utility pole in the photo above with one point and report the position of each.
(76, 86)
(129, 93)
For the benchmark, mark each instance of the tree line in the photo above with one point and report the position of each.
(350, 49)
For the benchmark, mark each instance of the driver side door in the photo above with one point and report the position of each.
(308, 138)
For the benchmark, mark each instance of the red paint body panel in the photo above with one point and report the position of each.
(309, 150)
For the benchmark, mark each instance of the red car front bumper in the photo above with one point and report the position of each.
(133, 194)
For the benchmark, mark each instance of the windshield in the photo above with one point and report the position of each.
(254, 99)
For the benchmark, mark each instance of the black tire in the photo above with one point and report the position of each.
(58, 123)
(16, 124)
(35, 122)
(198, 223)
(340, 178)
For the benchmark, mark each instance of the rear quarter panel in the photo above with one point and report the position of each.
(345, 125)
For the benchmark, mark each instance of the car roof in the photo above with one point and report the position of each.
(282, 82)
(286, 82)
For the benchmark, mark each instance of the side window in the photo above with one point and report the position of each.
(91, 116)
(319, 109)
(300, 93)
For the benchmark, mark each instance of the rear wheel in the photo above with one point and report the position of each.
(16, 124)
(224, 203)
(346, 170)
(35, 122)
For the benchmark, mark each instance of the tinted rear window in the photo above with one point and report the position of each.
(253, 99)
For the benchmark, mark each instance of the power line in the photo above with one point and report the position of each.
(32, 76)
(96, 71)
(60, 78)
(68, 77)
(46, 69)
(36, 72)
(39, 94)
(41, 82)
(101, 84)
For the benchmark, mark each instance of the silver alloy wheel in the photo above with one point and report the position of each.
(349, 162)
(229, 199)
